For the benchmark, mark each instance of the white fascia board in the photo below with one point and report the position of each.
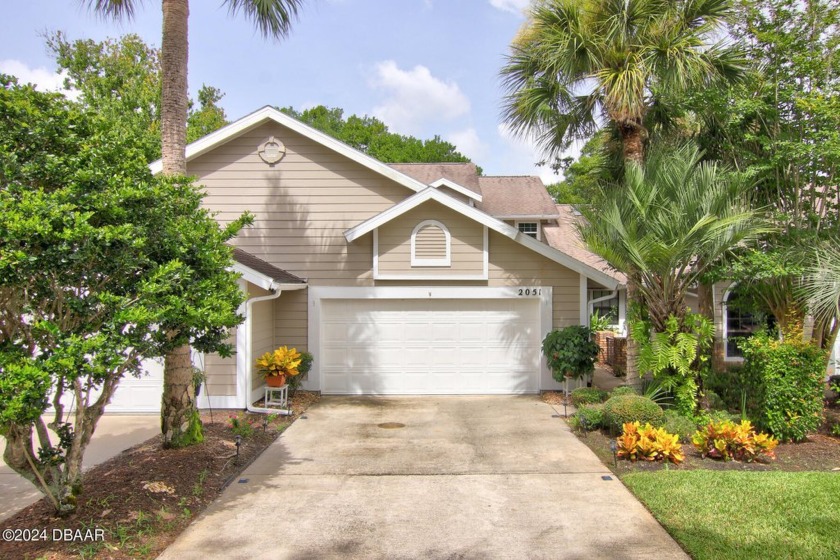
(431, 193)
(442, 182)
(267, 113)
(265, 282)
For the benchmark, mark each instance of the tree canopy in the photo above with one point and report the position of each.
(371, 136)
(99, 260)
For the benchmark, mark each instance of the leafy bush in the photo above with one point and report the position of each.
(588, 417)
(241, 425)
(727, 440)
(588, 395)
(683, 427)
(648, 443)
(623, 390)
(791, 373)
(630, 408)
(570, 351)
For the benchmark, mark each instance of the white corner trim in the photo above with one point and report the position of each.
(446, 260)
(443, 182)
(486, 254)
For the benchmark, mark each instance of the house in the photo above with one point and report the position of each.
(400, 279)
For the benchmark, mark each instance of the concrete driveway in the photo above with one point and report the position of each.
(426, 477)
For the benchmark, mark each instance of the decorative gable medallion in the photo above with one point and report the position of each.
(271, 151)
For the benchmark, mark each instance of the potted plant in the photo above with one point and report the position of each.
(570, 352)
(278, 366)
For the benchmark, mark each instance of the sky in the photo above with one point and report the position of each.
(424, 67)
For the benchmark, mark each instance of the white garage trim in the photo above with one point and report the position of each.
(318, 294)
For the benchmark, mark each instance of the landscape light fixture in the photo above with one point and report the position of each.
(238, 441)
(614, 449)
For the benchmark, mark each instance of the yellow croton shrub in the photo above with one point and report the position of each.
(282, 361)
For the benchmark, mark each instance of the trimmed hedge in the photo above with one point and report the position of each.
(631, 408)
(679, 425)
(623, 390)
(588, 395)
(589, 417)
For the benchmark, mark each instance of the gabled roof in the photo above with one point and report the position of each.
(490, 222)
(457, 188)
(264, 274)
(515, 197)
(270, 114)
(564, 237)
(463, 174)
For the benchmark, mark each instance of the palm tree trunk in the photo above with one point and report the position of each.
(633, 142)
(179, 415)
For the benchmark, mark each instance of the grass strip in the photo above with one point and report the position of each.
(718, 515)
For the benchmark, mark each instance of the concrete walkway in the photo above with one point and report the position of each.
(114, 433)
(426, 477)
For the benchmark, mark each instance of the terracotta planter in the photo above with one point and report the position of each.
(275, 380)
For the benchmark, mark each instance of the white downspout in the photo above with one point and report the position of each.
(249, 360)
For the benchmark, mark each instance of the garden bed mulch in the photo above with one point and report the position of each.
(819, 452)
(135, 504)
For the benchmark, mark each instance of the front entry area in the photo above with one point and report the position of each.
(400, 346)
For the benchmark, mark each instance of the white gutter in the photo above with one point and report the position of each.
(276, 290)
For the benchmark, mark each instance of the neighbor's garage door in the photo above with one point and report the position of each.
(440, 346)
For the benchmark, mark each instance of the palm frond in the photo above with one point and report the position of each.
(273, 18)
(113, 9)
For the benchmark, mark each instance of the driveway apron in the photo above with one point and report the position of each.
(427, 477)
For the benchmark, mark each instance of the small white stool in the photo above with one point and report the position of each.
(277, 396)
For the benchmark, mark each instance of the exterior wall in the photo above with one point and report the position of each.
(513, 265)
(467, 243)
(221, 373)
(302, 205)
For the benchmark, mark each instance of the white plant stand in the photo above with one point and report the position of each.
(277, 396)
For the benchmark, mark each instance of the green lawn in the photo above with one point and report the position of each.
(719, 515)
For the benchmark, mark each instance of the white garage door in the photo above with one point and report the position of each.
(423, 346)
(139, 394)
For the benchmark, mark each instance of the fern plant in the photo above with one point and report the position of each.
(675, 356)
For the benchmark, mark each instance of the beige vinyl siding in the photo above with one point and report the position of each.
(302, 204)
(221, 373)
(467, 243)
(511, 264)
(290, 322)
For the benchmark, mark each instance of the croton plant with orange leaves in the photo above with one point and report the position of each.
(282, 361)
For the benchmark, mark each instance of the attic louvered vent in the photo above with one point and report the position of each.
(430, 244)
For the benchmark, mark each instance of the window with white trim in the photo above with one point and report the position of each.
(740, 320)
(529, 228)
(431, 244)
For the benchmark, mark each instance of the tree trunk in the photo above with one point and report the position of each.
(632, 346)
(632, 138)
(174, 96)
(179, 415)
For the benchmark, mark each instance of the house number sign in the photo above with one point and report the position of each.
(529, 291)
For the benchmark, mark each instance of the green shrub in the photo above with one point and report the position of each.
(792, 375)
(623, 390)
(588, 395)
(570, 351)
(630, 408)
(683, 427)
(589, 417)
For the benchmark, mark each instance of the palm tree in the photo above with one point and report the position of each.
(273, 18)
(669, 222)
(579, 64)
